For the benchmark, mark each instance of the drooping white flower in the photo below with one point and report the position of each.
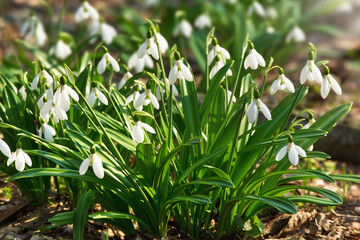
(94, 94)
(62, 100)
(46, 130)
(179, 71)
(61, 50)
(33, 27)
(106, 31)
(4, 148)
(202, 21)
(218, 51)
(95, 161)
(310, 71)
(281, 83)
(254, 107)
(163, 44)
(137, 132)
(140, 63)
(124, 79)
(148, 47)
(183, 28)
(257, 8)
(105, 61)
(86, 12)
(143, 99)
(217, 66)
(293, 152)
(20, 158)
(174, 90)
(296, 34)
(42, 74)
(254, 59)
(329, 82)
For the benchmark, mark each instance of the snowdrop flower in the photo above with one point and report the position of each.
(95, 93)
(329, 82)
(174, 90)
(20, 158)
(106, 31)
(95, 161)
(179, 71)
(217, 66)
(61, 50)
(140, 63)
(255, 106)
(23, 93)
(296, 34)
(4, 148)
(257, 8)
(148, 47)
(133, 98)
(46, 130)
(137, 132)
(34, 27)
(61, 97)
(202, 21)
(293, 152)
(281, 83)
(310, 71)
(218, 51)
(106, 60)
(144, 98)
(124, 79)
(183, 28)
(254, 59)
(86, 12)
(42, 74)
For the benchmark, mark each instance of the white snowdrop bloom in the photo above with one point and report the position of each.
(4, 148)
(137, 132)
(86, 12)
(46, 130)
(202, 21)
(329, 82)
(218, 51)
(254, 107)
(217, 66)
(293, 152)
(257, 8)
(33, 27)
(140, 63)
(95, 161)
(61, 97)
(183, 28)
(174, 90)
(254, 59)
(179, 71)
(106, 60)
(148, 47)
(163, 44)
(42, 74)
(310, 71)
(106, 31)
(20, 158)
(61, 50)
(143, 99)
(281, 83)
(94, 94)
(124, 79)
(296, 34)
(23, 93)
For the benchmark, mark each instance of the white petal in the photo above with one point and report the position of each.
(5, 148)
(148, 128)
(325, 88)
(293, 155)
(300, 151)
(97, 166)
(84, 166)
(137, 133)
(264, 109)
(142, 50)
(102, 65)
(281, 154)
(252, 112)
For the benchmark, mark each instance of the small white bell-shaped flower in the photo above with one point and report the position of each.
(61, 50)
(310, 71)
(34, 27)
(124, 79)
(43, 74)
(254, 59)
(257, 8)
(94, 94)
(86, 12)
(46, 130)
(202, 21)
(218, 51)
(95, 161)
(105, 61)
(217, 66)
(137, 132)
(148, 47)
(179, 70)
(281, 83)
(183, 28)
(140, 63)
(293, 152)
(20, 158)
(61, 98)
(4, 148)
(296, 34)
(146, 97)
(328, 83)
(133, 97)
(255, 106)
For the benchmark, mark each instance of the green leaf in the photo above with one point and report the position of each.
(81, 214)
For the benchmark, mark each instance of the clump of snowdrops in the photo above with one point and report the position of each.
(147, 148)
